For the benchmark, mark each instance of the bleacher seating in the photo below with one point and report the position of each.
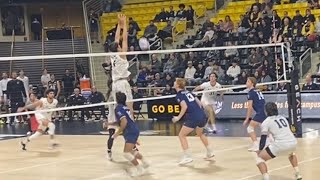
(144, 12)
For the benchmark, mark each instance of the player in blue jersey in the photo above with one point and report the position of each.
(195, 119)
(256, 102)
(130, 133)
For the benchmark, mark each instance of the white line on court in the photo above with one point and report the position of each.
(283, 167)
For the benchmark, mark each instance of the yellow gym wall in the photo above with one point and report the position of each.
(55, 14)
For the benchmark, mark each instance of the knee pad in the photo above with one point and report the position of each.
(259, 160)
(128, 156)
(52, 128)
(250, 129)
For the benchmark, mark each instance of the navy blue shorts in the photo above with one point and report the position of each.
(131, 138)
(195, 123)
(259, 118)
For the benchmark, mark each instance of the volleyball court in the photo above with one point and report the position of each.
(83, 156)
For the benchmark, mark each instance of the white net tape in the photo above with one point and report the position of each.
(137, 100)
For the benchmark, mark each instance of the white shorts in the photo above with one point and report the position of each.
(121, 85)
(280, 148)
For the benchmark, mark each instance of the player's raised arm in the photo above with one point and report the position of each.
(198, 88)
(30, 106)
(118, 31)
(124, 33)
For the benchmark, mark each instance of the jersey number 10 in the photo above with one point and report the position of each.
(282, 123)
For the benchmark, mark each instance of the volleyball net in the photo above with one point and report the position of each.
(271, 64)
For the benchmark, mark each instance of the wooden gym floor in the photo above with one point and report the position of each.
(82, 157)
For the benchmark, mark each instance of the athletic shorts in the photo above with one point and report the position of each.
(195, 123)
(283, 148)
(131, 138)
(121, 85)
(259, 118)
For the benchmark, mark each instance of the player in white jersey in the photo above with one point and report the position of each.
(44, 119)
(119, 73)
(209, 100)
(284, 141)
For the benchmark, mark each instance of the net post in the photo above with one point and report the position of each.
(294, 104)
(283, 62)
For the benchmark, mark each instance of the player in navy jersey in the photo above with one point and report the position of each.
(195, 119)
(130, 133)
(256, 102)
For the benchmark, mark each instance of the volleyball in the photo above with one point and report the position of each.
(144, 44)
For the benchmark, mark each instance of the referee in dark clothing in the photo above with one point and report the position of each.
(97, 97)
(16, 94)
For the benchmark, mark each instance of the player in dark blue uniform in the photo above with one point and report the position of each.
(130, 133)
(256, 102)
(195, 119)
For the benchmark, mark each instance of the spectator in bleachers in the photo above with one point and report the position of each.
(296, 30)
(252, 39)
(308, 29)
(192, 57)
(313, 4)
(115, 6)
(276, 36)
(285, 28)
(168, 90)
(157, 81)
(189, 73)
(209, 70)
(254, 28)
(218, 70)
(142, 77)
(244, 25)
(267, 56)
(254, 59)
(265, 28)
(162, 16)
(181, 13)
(276, 20)
(227, 24)
(134, 24)
(231, 53)
(55, 85)
(67, 83)
(279, 67)
(190, 15)
(168, 80)
(261, 38)
(309, 85)
(282, 87)
(286, 16)
(155, 63)
(267, 3)
(150, 73)
(308, 17)
(258, 4)
(207, 37)
(298, 18)
(257, 76)
(317, 26)
(199, 75)
(267, 12)
(264, 79)
(77, 99)
(45, 78)
(95, 98)
(242, 79)
(94, 26)
(150, 30)
(204, 27)
(171, 14)
(171, 65)
(255, 15)
(233, 72)
(268, 68)
(166, 31)
(136, 95)
(132, 36)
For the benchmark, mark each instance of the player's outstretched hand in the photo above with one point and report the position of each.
(175, 119)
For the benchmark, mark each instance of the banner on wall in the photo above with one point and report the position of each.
(234, 106)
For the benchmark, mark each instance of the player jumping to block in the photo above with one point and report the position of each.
(44, 119)
(130, 133)
(256, 102)
(284, 141)
(195, 119)
(208, 100)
